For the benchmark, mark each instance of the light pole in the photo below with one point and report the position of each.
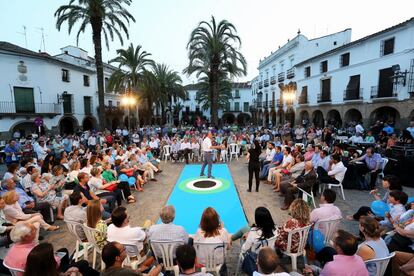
(128, 101)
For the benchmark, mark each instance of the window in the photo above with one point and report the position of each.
(307, 72)
(246, 107)
(237, 94)
(344, 60)
(227, 106)
(85, 80)
(65, 75)
(334, 43)
(236, 106)
(106, 85)
(118, 104)
(24, 100)
(187, 109)
(387, 46)
(67, 103)
(87, 103)
(110, 103)
(324, 66)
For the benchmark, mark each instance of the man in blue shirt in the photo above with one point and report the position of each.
(27, 203)
(277, 159)
(13, 153)
(373, 164)
(316, 156)
(388, 129)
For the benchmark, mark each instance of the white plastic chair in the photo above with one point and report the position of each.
(213, 254)
(90, 235)
(74, 228)
(167, 152)
(303, 237)
(14, 271)
(132, 252)
(165, 250)
(223, 155)
(330, 185)
(234, 150)
(306, 195)
(302, 145)
(328, 228)
(384, 163)
(256, 248)
(381, 264)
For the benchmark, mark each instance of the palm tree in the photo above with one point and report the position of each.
(132, 63)
(167, 87)
(204, 96)
(213, 54)
(103, 16)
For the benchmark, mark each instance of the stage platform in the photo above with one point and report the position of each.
(192, 194)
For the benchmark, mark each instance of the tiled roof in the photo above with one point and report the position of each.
(411, 20)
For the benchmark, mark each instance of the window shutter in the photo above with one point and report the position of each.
(382, 48)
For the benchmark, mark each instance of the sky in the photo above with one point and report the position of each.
(163, 27)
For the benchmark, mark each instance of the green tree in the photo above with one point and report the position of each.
(204, 95)
(213, 52)
(105, 17)
(161, 86)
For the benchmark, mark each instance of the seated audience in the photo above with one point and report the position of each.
(114, 254)
(299, 210)
(267, 263)
(306, 181)
(94, 220)
(327, 210)
(346, 262)
(286, 176)
(187, 261)
(76, 212)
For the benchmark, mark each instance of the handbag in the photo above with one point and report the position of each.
(249, 264)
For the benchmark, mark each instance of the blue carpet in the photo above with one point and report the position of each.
(190, 204)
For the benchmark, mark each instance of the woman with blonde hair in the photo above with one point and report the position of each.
(94, 220)
(299, 210)
(14, 213)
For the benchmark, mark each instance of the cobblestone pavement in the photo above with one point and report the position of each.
(156, 195)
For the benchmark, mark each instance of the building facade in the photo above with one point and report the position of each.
(60, 91)
(278, 77)
(365, 80)
(237, 110)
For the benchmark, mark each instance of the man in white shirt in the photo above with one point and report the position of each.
(41, 150)
(135, 138)
(207, 149)
(287, 160)
(92, 142)
(267, 263)
(359, 129)
(336, 173)
(155, 147)
(167, 230)
(270, 153)
(185, 149)
(122, 232)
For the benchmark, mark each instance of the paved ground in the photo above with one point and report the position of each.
(156, 195)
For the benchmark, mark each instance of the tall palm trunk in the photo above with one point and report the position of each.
(97, 29)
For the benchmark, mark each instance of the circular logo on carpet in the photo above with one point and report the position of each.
(204, 185)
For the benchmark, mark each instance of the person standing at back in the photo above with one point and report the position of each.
(254, 164)
(207, 148)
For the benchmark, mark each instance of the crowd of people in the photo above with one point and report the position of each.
(89, 177)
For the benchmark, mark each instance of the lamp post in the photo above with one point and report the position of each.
(128, 100)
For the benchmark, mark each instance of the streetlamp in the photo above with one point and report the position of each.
(128, 101)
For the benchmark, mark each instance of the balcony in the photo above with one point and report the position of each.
(259, 105)
(266, 82)
(29, 109)
(273, 80)
(260, 84)
(385, 94)
(265, 104)
(281, 77)
(303, 99)
(290, 74)
(353, 95)
(110, 109)
(271, 104)
(324, 98)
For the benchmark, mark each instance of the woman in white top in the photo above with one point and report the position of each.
(74, 171)
(263, 229)
(211, 231)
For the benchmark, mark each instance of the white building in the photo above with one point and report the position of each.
(236, 111)
(277, 74)
(62, 90)
(366, 80)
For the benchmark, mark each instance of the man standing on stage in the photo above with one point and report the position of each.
(207, 148)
